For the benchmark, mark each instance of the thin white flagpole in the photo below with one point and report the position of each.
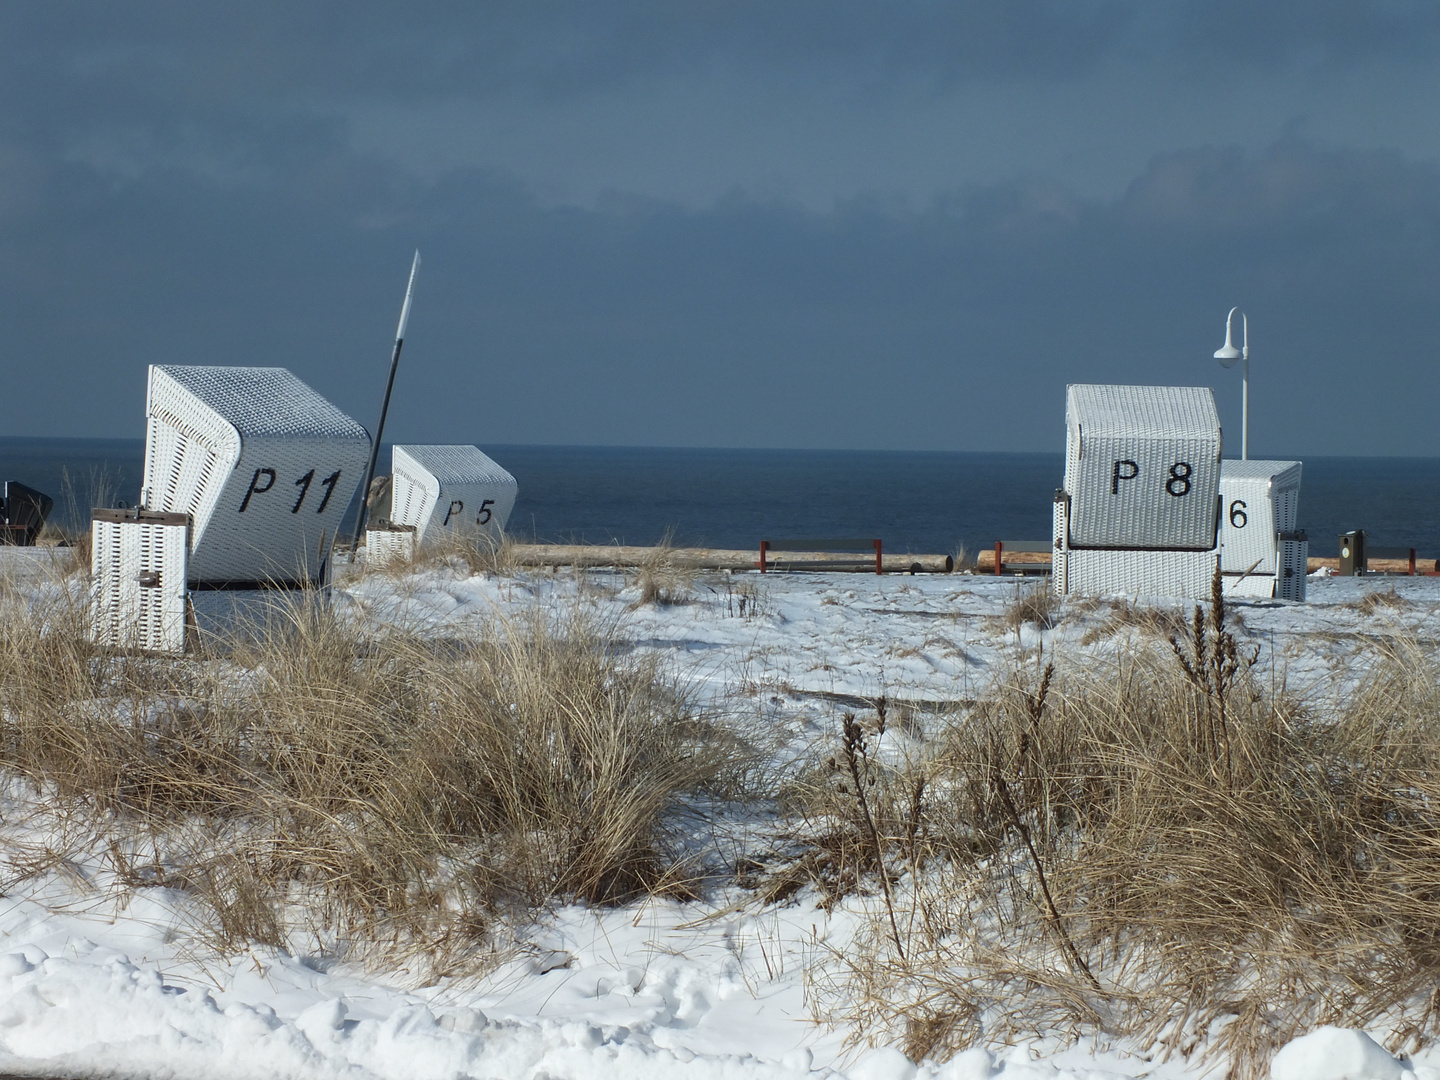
(385, 405)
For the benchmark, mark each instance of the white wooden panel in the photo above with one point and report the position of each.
(1294, 565)
(1256, 586)
(1060, 527)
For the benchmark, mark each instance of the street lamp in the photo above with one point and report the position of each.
(1227, 355)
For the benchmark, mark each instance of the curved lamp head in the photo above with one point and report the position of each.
(1228, 353)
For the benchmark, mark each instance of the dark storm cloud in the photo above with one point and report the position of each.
(1283, 31)
(269, 49)
(264, 51)
(180, 183)
(221, 89)
(750, 322)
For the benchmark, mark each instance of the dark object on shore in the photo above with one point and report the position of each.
(23, 511)
(1358, 557)
(1352, 553)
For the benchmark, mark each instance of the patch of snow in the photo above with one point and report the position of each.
(100, 978)
(1334, 1053)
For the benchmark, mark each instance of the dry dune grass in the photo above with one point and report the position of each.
(1156, 849)
(1035, 603)
(664, 578)
(1154, 846)
(1372, 602)
(467, 551)
(385, 788)
(1125, 615)
(477, 552)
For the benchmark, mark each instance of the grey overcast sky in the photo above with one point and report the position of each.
(900, 225)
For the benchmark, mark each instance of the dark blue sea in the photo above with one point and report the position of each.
(917, 502)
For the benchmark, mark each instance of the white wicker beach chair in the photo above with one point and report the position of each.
(1138, 513)
(445, 490)
(264, 466)
(1259, 541)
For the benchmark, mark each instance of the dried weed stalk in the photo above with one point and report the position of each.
(865, 821)
(1213, 661)
(1156, 848)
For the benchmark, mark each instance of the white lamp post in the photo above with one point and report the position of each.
(1227, 355)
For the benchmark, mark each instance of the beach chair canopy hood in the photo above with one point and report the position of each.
(1142, 467)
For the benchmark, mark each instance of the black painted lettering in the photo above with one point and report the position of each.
(255, 488)
(483, 517)
(329, 485)
(1238, 518)
(1117, 476)
(456, 507)
(304, 485)
(1180, 478)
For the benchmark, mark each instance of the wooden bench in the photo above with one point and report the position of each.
(1024, 547)
(1392, 555)
(825, 544)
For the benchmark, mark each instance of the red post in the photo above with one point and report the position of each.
(999, 550)
(1412, 562)
(879, 566)
(764, 547)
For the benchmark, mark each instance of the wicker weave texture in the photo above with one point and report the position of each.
(1142, 466)
(449, 489)
(263, 401)
(1259, 500)
(386, 546)
(1253, 586)
(263, 464)
(188, 449)
(126, 613)
(1059, 577)
(1096, 572)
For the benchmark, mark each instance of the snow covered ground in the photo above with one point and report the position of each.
(99, 978)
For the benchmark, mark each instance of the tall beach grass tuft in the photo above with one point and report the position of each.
(1157, 847)
(312, 777)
